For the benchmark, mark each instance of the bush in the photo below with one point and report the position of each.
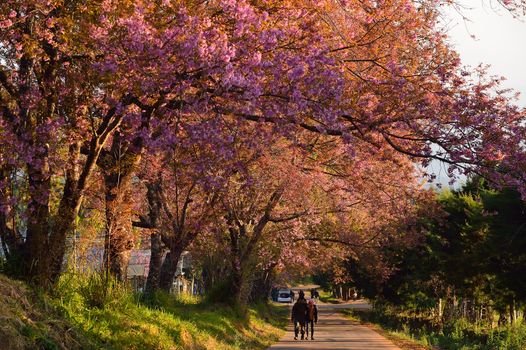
(220, 292)
(508, 338)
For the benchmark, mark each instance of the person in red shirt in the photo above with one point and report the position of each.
(312, 318)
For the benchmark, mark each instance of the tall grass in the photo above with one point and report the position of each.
(112, 317)
(97, 290)
(29, 321)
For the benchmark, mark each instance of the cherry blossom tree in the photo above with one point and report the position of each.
(200, 72)
(180, 205)
(73, 74)
(99, 83)
(52, 105)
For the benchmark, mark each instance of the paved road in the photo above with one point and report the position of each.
(333, 331)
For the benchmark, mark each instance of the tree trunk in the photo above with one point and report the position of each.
(35, 265)
(169, 268)
(449, 308)
(119, 238)
(262, 287)
(9, 236)
(513, 312)
(45, 246)
(156, 256)
(119, 166)
(238, 285)
(67, 215)
(489, 315)
(464, 308)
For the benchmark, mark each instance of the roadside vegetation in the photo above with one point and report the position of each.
(462, 285)
(328, 297)
(86, 313)
(403, 340)
(413, 332)
(28, 322)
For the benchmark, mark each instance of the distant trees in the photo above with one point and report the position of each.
(470, 264)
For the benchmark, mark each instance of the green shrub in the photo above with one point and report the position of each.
(220, 293)
(508, 338)
(456, 335)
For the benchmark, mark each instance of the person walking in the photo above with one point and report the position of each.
(299, 315)
(314, 293)
(312, 318)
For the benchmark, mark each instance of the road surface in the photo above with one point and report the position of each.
(334, 331)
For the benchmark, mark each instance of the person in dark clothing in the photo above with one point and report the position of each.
(274, 294)
(299, 315)
(291, 296)
(312, 318)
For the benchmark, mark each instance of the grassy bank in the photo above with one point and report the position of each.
(94, 317)
(459, 335)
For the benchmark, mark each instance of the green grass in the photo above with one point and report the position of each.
(27, 321)
(326, 297)
(113, 318)
(458, 335)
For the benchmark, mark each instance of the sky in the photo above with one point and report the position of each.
(491, 36)
(500, 40)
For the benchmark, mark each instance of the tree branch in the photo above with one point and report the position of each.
(312, 128)
(334, 240)
(287, 218)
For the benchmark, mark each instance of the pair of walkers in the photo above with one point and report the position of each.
(304, 316)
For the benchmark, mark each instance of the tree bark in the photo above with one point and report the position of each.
(9, 236)
(238, 286)
(119, 239)
(262, 286)
(36, 258)
(119, 166)
(169, 268)
(154, 273)
(241, 253)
